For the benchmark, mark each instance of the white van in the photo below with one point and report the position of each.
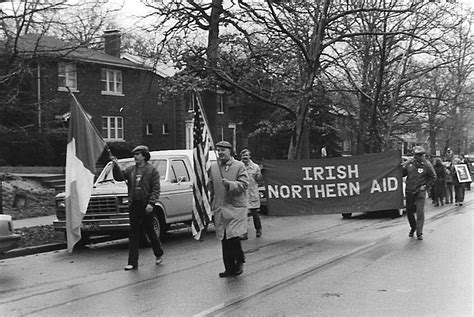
(107, 213)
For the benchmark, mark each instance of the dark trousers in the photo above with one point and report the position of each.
(139, 220)
(232, 254)
(256, 218)
(415, 204)
(459, 193)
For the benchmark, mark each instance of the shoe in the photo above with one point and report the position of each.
(460, 204)
(412, 232)
(239, 271)
(129, 267)
(158, 260)
(420, 236)
(259, 233)
(436, 205)
(225, 274)
(245, 236)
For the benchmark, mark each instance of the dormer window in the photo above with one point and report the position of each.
(67, 76)
(111, 82)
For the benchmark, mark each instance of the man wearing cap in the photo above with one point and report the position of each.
(229, 180)
(143, 182)
(420, 176)
(253, 196)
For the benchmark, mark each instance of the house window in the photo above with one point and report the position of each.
(112, 128)
(111, 81)
(165, 129)
(192, 102)
(220, 103)
(67, 76)
(149, 129)
(346, 145)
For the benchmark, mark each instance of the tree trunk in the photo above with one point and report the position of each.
(210, 104)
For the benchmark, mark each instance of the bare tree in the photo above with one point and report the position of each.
(77, 24)
(382, 67)
(292, 46)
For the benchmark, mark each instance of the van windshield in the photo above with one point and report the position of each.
(107, 176)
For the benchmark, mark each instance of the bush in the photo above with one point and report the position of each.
(20, 148)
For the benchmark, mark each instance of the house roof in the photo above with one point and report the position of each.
(35, 45)
(161, 69)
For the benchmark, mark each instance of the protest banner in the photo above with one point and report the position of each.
(463, 173)
(334, 185)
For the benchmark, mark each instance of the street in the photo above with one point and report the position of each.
(309, 265)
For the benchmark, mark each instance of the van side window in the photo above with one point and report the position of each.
(179, 170)
(160, 165)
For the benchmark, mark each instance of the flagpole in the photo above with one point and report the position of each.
(198, 96)
(90, 121)
(206, 126)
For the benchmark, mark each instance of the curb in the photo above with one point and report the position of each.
(14, 253)
(33, 250)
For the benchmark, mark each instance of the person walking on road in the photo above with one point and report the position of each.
(253, 195)
(459, 188)
(449, 184)
(229, 180)
(143, 182)
(439, 187)
(465, 160)
(420, 176)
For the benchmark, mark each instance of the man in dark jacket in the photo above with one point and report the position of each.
(143, 182)
(420, 176)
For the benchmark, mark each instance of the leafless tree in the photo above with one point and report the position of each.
(293, 45)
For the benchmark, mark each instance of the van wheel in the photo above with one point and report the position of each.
(398, 212)
(346, 215)
(159, 224)
(85, 240)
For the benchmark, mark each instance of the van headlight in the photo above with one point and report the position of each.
(60, 203)
(123, 200)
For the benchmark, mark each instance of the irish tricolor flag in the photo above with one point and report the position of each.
(84, 148)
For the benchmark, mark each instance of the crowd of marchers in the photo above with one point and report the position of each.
(234, 185)
(439, 180)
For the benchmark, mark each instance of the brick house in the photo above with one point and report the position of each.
(122, 95)
(123, 98)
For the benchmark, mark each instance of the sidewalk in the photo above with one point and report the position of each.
(33, 222)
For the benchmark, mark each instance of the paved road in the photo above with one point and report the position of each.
(300, 265)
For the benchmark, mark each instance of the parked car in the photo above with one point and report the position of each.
(8, 239)
(107, 212)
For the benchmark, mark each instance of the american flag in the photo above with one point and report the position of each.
(202, 214)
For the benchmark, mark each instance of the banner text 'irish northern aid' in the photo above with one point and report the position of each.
(334, 185)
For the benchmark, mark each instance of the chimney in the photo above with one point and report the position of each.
(112, 42)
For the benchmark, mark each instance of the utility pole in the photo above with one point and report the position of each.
(38, 105)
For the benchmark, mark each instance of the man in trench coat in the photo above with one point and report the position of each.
(229, 180)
